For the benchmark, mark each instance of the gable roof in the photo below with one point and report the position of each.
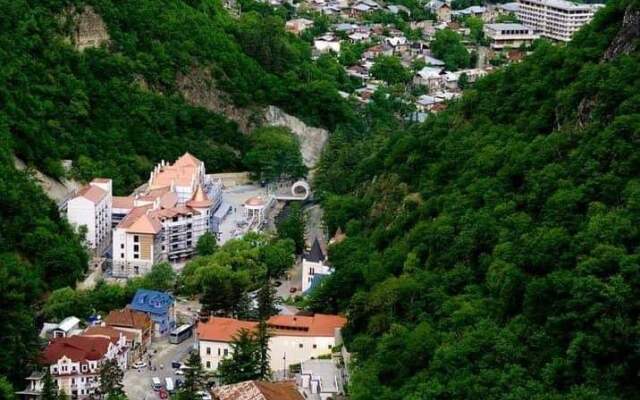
(151, 301)
(223, 329)
(109, 332)
(125, 202)
(139, 221)
(187, 159)
(315, 254)
(76, 348)
(128, 318)
(92, 193)
(258, 390)
(218, 329)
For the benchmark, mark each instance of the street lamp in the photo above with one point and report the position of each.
(284, 366)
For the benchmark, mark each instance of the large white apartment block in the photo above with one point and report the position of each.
(555, 19)
(294, 338)
(74, 363)
(165, 221)
(510, 36)
(91, 208)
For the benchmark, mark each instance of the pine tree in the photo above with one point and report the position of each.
(193, 378)
(244, 363)
(111, 380)
(266, 308)
(49, 389)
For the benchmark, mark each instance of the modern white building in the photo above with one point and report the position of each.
(327, 43)
(314, 266)
(510, 36)
(91, 208)
(555, 19)
(74, 363)
(294, 338)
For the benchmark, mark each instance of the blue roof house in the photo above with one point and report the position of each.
(160, 308)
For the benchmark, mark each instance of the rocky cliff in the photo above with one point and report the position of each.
(312, 139)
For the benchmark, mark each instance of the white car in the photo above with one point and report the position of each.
(204, 395)
(138, 365)
(179, 372)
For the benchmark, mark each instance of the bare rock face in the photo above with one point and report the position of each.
(199, 89)
(625, 42)
(312, 139)
(90, 29)
(627, 38)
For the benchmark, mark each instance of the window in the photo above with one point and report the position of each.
(218, 351)
(136, 247)
(301, 345)
(136, 238)
(121, 255)
(174, 219)
(329, 346)
(208, 364)
(315, 346)
(136, 256)
(208, 350)
(122, 245)
(226, 352)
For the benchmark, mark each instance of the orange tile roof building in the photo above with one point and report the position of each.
(294, 338)
(165, 221)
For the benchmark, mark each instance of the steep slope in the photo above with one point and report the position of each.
(492, 252)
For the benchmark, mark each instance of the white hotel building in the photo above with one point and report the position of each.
(509, 36)
(166, 220)
(161, 221)
(91, 208)
(555, 19)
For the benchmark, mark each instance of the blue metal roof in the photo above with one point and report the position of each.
(151, 301)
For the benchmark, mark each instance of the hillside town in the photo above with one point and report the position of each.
(220, 282)
(152, 337)
(428, 54)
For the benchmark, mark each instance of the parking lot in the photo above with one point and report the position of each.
(137, 382)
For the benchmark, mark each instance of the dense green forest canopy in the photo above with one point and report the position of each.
(492, 252)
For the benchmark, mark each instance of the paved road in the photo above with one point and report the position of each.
(137, 383)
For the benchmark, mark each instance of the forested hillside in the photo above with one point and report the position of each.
(492, 252)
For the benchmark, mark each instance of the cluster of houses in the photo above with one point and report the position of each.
(76, 349)
(529, 20)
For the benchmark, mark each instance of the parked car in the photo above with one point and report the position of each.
(204, 395)
(139, 364)
(175, 364)
(156, 384)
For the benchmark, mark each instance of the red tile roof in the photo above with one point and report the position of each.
(77, 348)
(107, 331)
(258, 390)
(299, 325)
(92, 193)
(223, 329)
(127, 318)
